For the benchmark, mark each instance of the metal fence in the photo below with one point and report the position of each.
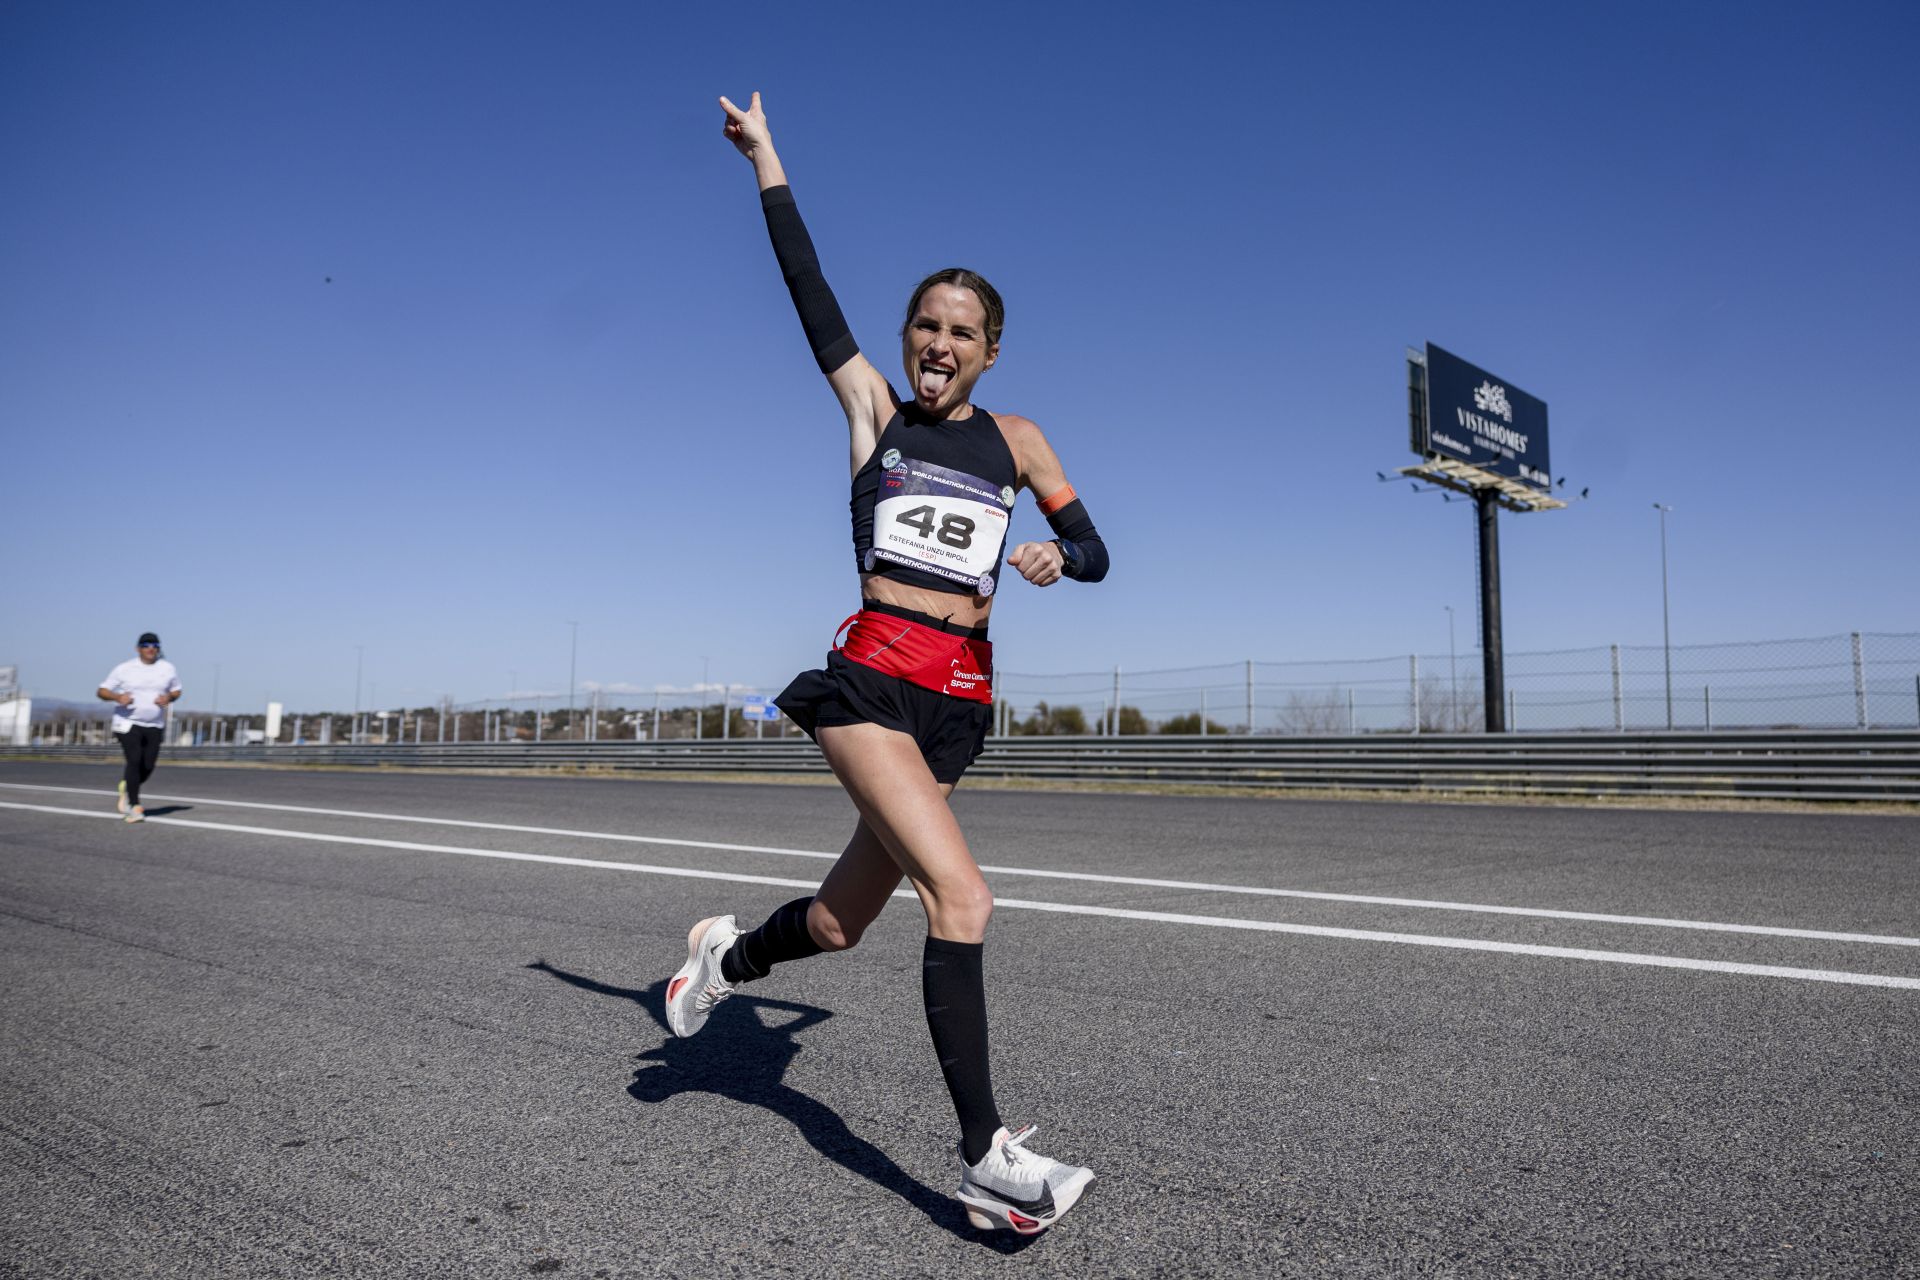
(1856, 680)
(1851, 681)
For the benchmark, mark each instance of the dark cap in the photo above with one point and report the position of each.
(147, 637)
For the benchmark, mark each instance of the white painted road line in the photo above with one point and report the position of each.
(508, 855)
(442, 822)
(1194, 886)
(1119, 913)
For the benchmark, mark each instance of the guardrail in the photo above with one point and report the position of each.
(1844, 765)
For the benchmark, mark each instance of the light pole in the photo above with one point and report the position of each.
(1453, 677)
(1666, 632)
(573, 663)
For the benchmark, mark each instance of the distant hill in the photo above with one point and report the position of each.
(50, 709)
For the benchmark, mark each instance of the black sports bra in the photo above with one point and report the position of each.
(931, 506)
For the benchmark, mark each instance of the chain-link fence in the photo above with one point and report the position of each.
(592, 715)
(1851, 681)
(1857, 680)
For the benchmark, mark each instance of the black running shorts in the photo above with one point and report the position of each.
(950, 732)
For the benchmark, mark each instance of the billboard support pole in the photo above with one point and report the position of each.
(1492, 670)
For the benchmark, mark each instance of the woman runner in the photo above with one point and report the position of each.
(903, 706)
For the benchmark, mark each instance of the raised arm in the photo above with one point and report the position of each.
(863, 393)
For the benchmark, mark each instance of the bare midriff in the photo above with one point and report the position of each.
(961, 611)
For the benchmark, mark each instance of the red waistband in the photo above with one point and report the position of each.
(957, 666)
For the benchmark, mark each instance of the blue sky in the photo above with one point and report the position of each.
(430, 327)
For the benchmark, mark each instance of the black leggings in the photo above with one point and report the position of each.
(141, 745)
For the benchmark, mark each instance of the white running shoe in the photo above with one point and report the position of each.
(135, 814)
(693, 992)
(1012, 1187)
(123, 795)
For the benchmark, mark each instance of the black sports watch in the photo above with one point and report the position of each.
(1071, 559)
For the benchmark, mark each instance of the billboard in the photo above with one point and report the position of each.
(1461, 411)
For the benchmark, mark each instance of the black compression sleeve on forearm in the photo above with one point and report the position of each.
(1073, 525)
(826, 328)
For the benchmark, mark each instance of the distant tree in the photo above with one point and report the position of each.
(1034, 723)
(1069, 720)
(1190, 723)
(1442, 712)
(1314, 713)
(1131, 721)
(1051, 720)
(710, 722)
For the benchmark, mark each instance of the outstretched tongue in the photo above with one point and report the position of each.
(933, 382)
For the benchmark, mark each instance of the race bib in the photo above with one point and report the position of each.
(940, 521)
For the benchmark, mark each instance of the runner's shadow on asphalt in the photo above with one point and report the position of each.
(737, 1056)
(161, 811)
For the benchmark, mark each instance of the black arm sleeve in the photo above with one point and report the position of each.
(826, 328)
(1086, 553)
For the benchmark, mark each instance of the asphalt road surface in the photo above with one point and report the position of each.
(318, 1023)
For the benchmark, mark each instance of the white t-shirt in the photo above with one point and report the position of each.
(146, 681)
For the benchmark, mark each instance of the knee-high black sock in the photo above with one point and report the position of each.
(956, 996)
(781, 938)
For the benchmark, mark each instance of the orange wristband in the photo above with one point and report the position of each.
(1049, 505)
